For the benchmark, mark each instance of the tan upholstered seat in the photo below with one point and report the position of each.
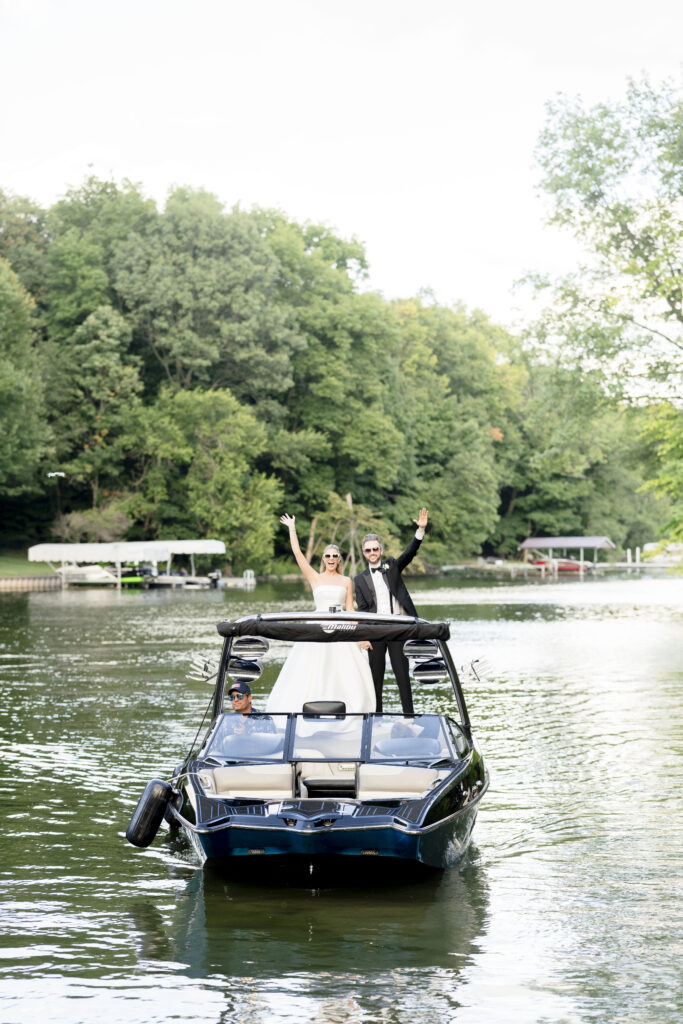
(328, 778)
(262, 781)
(391, 782)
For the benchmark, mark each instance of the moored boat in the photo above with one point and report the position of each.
(565, 564)
(102, 576)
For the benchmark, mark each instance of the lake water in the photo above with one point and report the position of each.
(567, 909)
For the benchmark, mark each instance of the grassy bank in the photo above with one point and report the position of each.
(16, 563)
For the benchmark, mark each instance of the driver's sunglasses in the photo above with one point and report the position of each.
(236, 696)
(370, 551)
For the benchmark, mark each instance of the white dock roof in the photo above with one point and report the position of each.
(544, 543)
(124, 551)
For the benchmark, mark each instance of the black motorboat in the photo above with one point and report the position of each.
(320, 782)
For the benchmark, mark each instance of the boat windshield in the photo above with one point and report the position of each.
(414, 738)
(328, 738)
(249, 736)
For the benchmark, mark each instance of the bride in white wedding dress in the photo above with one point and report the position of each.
(334, 671)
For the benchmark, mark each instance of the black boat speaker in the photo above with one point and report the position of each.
(324, 707)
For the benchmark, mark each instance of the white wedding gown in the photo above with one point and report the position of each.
(325, 671)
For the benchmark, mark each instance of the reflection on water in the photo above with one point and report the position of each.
(563, 911)
(357, 922)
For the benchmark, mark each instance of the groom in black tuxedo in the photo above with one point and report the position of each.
(381, 589)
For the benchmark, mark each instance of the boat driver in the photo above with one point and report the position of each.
(251, 720)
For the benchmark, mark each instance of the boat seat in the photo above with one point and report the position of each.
(327, 778)
(328, 769)
(392, 781)
(262, 781)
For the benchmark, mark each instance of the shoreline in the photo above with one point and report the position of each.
(18, 574)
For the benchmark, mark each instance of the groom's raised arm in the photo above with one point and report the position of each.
(406, 557)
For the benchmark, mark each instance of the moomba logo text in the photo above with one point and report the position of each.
(343, 627)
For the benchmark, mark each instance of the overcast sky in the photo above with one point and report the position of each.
(410, 125)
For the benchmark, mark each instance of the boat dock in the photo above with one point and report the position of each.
(117, 563)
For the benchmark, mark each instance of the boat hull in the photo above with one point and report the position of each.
(333, 833)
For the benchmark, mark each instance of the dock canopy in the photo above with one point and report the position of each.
(566, 543)
(335, 627)
(124, 552)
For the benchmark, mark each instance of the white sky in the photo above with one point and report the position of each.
(408, 124)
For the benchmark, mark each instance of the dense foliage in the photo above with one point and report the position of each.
(195, 371)
(614, 174)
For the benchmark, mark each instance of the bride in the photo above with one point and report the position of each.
(335, 671)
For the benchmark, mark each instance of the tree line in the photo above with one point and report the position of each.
(195, 371)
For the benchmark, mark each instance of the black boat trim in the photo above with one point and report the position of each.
(396, 824)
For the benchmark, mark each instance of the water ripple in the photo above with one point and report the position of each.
(563, 911)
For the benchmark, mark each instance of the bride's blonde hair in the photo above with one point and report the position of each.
(332, 547)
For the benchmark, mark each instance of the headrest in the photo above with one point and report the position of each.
(324, 707)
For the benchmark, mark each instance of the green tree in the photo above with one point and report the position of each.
(198, 474)
(449, 402)
(665, 431)
(85, 229)
(95, 402)
(25, 438)
(106, 523)
(615, 177)
(199, 286)
(339, 420)
(23, 242)
(574, 463)
(614, 174)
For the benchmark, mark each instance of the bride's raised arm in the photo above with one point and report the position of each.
(349, 596)
(309, 573)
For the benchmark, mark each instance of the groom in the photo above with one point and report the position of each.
(381, 589)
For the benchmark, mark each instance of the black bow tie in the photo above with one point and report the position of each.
(376, 570)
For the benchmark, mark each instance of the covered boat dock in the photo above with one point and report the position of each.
(561, 545)
(121, 553)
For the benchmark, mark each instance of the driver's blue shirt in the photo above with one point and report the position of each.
(255, 721)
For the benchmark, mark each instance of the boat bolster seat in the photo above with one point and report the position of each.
(261, 781)
(322, 777)
(396, 781)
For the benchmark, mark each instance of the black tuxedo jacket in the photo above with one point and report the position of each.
(366, 598)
